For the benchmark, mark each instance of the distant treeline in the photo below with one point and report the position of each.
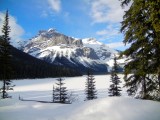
(26, 66)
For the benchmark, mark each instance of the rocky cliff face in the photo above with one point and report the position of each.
(60, 49)
(52, 38)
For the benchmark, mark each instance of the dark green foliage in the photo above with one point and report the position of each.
(125, 2)
(91, 92)
(115, 89)
(26, 66)
(60, 92)
(141, 27)
(5, 58)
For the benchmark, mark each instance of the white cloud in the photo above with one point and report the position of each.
(110, 33)
(16, 30)
(55, 5)
(111, 13)
(118, 45)
(106, 11)
(110, 30)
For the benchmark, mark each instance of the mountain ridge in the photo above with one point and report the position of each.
(60, 49)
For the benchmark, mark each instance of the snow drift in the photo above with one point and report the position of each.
(111, 108)
(103, 108)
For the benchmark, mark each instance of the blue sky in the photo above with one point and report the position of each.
(99, 19)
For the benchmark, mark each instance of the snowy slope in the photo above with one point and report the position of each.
(103, 108)
(102, 50)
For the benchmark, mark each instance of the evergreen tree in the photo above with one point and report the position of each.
(5, 58)
(90, 91)
(141, 27)
(60, 92)
(53, 95)
(115, 89)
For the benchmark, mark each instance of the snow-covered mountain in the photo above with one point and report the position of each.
(103, 51)
(60, 49)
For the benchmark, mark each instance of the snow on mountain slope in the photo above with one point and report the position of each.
(60, 49)
(121, 63)
(68, 52)
(102, 50)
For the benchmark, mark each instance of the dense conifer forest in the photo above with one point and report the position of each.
(26, 66)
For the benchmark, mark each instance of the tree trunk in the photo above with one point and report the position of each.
(4, 88)
(60, 91)
(144, 90)
(159, 81)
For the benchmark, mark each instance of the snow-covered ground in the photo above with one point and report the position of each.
(103, 108)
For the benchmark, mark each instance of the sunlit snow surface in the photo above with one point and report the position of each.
(103, 108)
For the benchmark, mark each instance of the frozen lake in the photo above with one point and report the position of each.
(41, 89)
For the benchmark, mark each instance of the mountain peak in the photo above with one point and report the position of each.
(48, 33)
(52, 30)
(91, 41)
(60, 49)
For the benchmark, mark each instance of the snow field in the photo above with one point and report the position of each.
(42, 88)
(103, 108)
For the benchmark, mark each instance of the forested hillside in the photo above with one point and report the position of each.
(26, 66)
